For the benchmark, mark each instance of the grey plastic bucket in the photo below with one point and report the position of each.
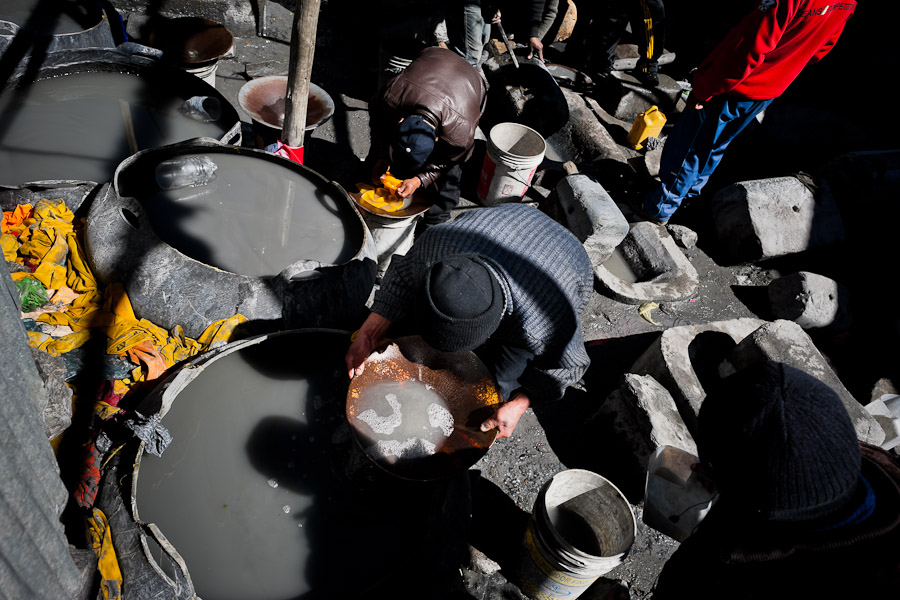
(514, 152)
(581, 527)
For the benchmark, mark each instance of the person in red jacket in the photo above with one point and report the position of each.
(753, 65)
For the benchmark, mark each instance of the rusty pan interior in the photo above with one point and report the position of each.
(466, 387)
(190, 40)
(264, 100)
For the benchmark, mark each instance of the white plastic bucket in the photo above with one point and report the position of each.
(675, 499)
(581, 527)
(206, 72)
(514, 152)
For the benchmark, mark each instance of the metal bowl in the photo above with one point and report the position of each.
(416, 411)
(264, 100)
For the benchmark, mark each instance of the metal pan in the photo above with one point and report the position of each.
(416, 411)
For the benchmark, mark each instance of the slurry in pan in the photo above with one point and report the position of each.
(254, 218)
(410, 414)
(81, 126)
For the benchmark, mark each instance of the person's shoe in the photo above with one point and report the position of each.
(647, 73)
(641, 214)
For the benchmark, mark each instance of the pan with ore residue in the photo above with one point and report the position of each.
(416, 411)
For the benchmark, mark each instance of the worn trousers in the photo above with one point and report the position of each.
(601, 25)
(694, 149)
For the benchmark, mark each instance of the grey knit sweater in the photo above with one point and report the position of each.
(547, 279)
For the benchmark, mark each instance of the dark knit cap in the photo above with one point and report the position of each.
(462, 304)
(780, 443)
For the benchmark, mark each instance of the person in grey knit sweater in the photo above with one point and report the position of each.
(508, 282)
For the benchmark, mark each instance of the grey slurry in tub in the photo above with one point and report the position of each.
(253, 218)
(247, 492)
(239, 529)
(81, 126)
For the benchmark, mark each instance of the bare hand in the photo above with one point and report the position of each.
(408, 187)
(507, 416)
(367, 339)
(536, 47)
(357, 354)
(693, 102)
(496, 18)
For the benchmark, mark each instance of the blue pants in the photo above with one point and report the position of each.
(694, 149)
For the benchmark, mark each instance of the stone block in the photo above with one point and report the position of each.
(886, 411)
(786, 342)
(662, 273)
(765, 218)
(644, 417)
(683, 236)
(584, 137)
(811, 301)
(592, 215)
(670, 360)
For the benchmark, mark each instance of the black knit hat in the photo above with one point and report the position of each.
(462, 304)
(780, 443)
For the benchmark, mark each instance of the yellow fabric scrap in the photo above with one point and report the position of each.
(107, 563)
(54, 214)
(57, 346)
(646, 310)
(220, 331)
(10, 246)
(104, 410)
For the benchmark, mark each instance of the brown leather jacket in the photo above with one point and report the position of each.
(445, 89)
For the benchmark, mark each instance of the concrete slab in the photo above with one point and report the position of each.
(670, 360)
(592, 215)
(786, 342)
(765, 218)
(663, 273)
(811, 301)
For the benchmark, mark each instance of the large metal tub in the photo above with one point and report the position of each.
(170, 288)
(54, 127)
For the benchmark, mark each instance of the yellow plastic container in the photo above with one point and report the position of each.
(647, 124)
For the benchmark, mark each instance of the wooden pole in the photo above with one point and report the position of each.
(303, 46)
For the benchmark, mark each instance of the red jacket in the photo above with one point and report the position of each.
(766, 51)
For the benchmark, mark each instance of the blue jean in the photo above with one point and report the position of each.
(694, 149)
(469, 33)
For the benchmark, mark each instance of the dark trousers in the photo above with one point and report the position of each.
(506, 363)
(601, 26)
(443, 195)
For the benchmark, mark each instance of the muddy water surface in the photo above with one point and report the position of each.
(253, 491)
(81, 126)
(254, 218)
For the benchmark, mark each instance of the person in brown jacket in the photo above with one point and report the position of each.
(423, 127)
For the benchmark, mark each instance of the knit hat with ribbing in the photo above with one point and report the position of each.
(462, 304)
(780, 443)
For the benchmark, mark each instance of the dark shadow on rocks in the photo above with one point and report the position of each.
(756, 298)
(498, 525)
